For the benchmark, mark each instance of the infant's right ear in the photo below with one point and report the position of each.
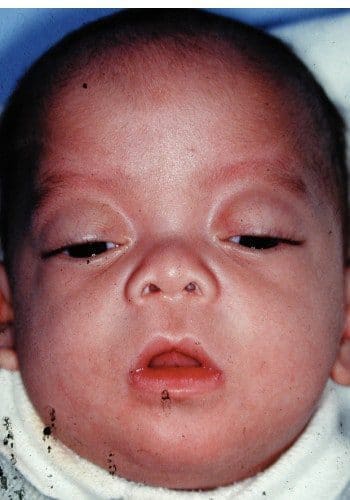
(341, 368)
(8, 355)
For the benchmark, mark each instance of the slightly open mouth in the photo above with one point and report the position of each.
(173, 359)
(182, 370)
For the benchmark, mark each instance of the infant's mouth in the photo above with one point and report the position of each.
(174, 359)
(183, 369)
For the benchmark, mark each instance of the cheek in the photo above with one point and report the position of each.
(70, 333)
(285, 323)
(72, 359)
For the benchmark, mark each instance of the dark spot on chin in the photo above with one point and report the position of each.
(84, 85)
(48, 429)
(112, 468)
(52, 414)
(165, 395)
(165, 400)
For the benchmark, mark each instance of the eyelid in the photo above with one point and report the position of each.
(109, 245)
(64, 250)
(235, 238)
(260, 237)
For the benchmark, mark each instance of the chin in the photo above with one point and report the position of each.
(191, 457)
(189, 462)
(196, 469)
(198, 475)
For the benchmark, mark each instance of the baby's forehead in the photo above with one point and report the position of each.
(205, 116)
(220, 106)
(205, 95)
(151, 77)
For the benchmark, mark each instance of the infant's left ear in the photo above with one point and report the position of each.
(8, 356)
(341, 369)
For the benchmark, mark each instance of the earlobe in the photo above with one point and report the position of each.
(341, 369)
(8, 355)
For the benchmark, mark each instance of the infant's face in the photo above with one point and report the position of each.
(171, 177)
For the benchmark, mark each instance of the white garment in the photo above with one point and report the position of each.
(324, 46)
(317, 466)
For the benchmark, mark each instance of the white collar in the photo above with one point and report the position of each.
(316, 466)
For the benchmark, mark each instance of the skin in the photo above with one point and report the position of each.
(138, 169)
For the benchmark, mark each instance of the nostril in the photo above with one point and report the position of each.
(151, 288)
(191, 287)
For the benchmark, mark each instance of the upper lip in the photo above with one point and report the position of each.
(187, 346)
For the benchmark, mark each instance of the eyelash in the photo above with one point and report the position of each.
(92, 249)
(86, 250)
(261, 242)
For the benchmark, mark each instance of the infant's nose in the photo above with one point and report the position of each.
(171, 271)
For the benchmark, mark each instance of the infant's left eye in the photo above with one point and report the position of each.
(260, 242)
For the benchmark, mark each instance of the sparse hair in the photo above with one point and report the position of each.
(22, 128)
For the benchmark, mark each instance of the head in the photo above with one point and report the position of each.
(178, 201)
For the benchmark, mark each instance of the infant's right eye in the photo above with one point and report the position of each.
(83, 250)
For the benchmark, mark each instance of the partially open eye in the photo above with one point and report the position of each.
(83, 250)
(260, 242)
(91, 249)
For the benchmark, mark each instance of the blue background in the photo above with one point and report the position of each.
(26, 33)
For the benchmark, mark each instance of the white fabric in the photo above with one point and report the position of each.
(324, 46)
(317, 466)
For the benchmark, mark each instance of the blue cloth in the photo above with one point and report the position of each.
(26, 33)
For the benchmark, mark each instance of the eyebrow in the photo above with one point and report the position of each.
(46, 186)
(55, 183)
(275, 175)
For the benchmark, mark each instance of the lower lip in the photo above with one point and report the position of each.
(176, 380)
